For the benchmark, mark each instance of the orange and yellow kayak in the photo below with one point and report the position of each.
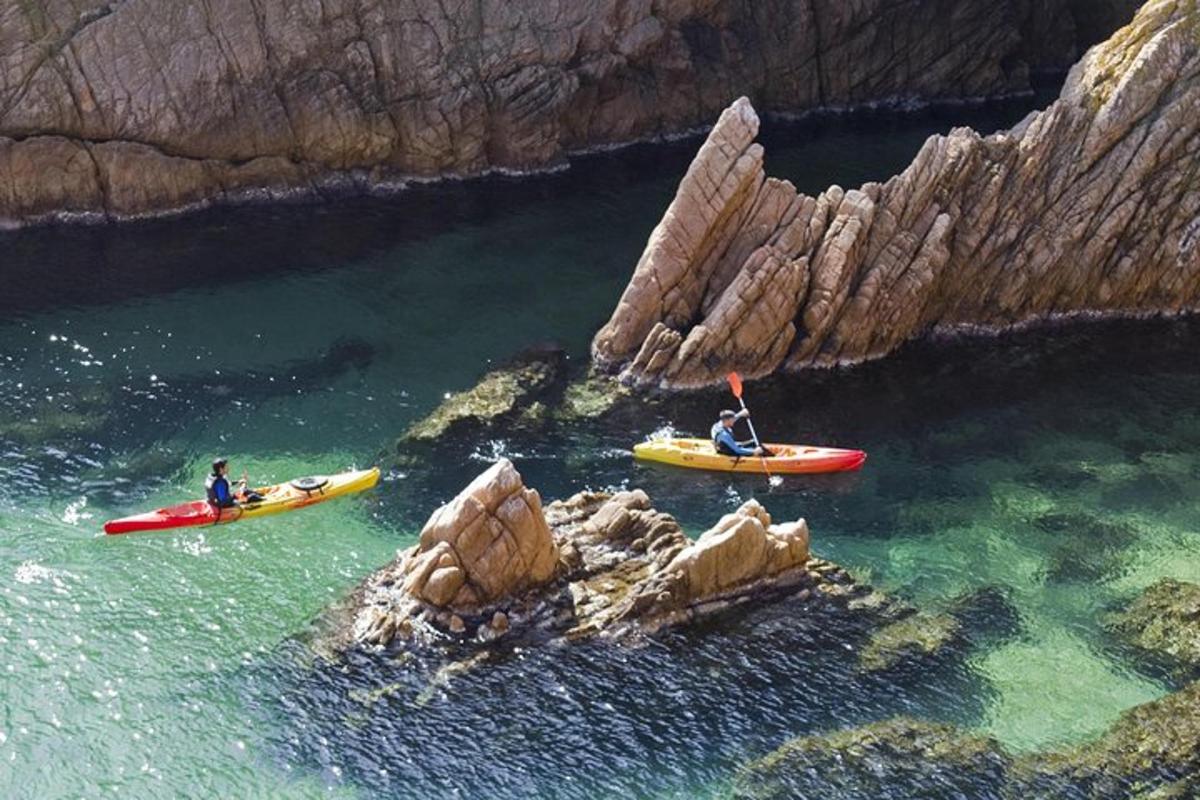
(275, 500)
(788, 459)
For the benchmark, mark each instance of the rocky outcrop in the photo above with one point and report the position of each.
(596, 564)
(1163, 623)
(115, 108)
(1089, 206)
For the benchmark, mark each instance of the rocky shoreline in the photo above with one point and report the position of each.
(140, 108)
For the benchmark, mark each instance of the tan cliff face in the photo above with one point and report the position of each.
(1092, 205)
(127, 107)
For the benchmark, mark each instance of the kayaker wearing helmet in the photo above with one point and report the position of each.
(722, 436)
(219, 491)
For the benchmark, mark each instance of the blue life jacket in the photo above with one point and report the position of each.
(723, 440)
(216, 487)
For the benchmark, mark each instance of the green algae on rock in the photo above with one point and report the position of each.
(896, 758)
(511, 392)
(1164, 623)
(1152, 747)
(912, 641)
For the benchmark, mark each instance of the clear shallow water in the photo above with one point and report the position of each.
(1059, 468)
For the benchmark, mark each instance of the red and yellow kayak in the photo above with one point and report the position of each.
(788, 459)
(275, 500)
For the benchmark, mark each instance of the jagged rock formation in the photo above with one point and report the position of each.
(594, 564)
(122, 107)
(1089, 206)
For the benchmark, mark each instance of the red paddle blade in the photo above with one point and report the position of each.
(735, 383)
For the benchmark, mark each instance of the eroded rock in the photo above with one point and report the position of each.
(488, 543)
(1084, 207)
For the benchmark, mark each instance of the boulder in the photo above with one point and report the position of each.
(488, 543)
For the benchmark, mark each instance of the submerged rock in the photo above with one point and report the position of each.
(897, 758)
(504, 395)
(1153, 747)
(1164, 623)
(596, 564)
(911, 642)
(1087, 548)
(1084, 207)
(1153, 750)
(916, 640)
(140, 106)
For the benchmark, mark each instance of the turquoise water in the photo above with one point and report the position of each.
(1057, 467)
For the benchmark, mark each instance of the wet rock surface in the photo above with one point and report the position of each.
(139, 106)
(1084, 207)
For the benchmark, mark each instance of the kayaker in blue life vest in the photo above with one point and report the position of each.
(219, 491)
(722, 436)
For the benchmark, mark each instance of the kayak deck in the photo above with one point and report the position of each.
(275, 500)
(788, 459)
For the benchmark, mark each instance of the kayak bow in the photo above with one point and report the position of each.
(788, 459)
(275, 500)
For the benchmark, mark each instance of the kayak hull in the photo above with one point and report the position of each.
(276, 500)
(789, 459)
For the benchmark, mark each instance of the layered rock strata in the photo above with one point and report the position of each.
(1089, 206)
(596, 564)
(126, 107)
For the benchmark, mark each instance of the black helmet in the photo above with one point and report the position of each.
(727, 414)
(218, 463)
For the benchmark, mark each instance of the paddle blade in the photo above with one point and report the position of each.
(735, 383)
